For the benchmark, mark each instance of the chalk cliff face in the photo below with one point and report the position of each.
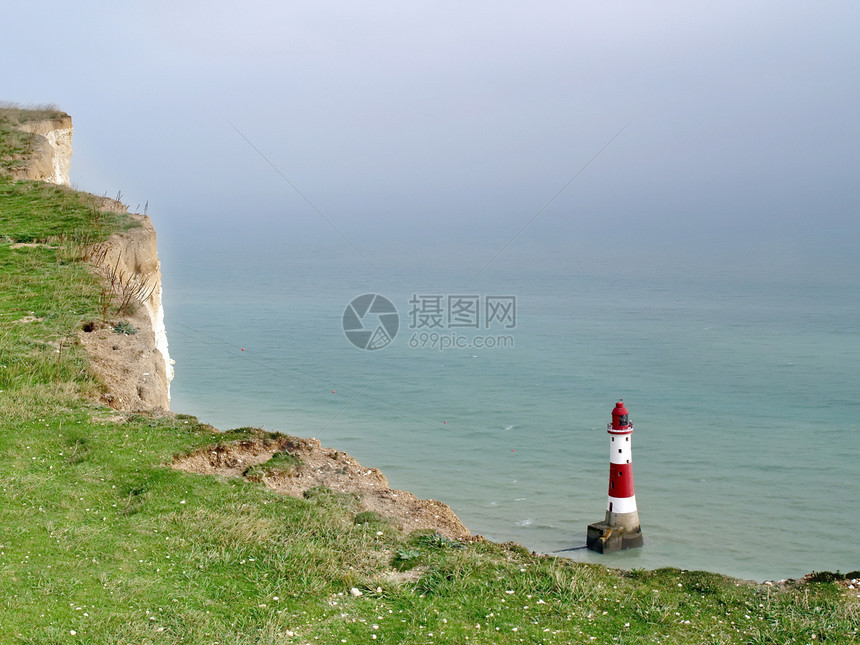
(51, 155)
(136, 369)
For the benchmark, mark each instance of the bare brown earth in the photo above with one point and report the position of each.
(327, 467)
(129, 365)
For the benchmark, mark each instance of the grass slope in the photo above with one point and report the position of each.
(102, 542)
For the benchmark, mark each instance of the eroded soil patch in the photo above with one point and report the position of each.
(320, 466)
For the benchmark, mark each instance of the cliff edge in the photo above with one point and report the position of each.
(128, 352)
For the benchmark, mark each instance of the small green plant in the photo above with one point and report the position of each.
(124, 327)
(438, 541)
(405, 555)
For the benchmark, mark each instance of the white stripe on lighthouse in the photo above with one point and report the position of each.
(620, 451)
(621, 504)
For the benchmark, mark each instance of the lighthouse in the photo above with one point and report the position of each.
(620, 529)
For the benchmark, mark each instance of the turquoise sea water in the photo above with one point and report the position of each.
(742, 387)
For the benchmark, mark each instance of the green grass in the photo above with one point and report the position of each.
(100, 537)
(102, 542)
(33, 211)
(14, 145)
(46, 292)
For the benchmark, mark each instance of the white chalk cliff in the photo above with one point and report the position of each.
(51, 150)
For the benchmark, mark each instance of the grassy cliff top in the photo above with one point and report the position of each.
(102, 542)
(14, 113)
(16, 145)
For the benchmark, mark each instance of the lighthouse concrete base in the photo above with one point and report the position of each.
(605, 538)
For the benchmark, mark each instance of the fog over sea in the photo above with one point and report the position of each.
(739, 371)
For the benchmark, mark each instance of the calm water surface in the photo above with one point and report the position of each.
(742, 391)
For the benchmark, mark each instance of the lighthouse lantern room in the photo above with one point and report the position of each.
(620, 528)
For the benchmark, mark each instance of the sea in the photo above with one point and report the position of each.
(488, 373)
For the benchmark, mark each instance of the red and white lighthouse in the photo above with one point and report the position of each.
(620, 529)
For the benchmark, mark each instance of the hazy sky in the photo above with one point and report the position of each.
(450, 121)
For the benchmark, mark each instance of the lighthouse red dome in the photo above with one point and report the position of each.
(620, 417)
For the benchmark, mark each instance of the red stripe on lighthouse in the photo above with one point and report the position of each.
(621, 480)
